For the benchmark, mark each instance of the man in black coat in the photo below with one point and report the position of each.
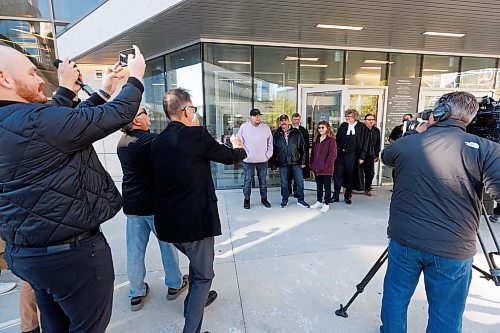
(372, 152)
(289, 155)
(351, 151)
(185, 202)
(306, 171)
(55, 193)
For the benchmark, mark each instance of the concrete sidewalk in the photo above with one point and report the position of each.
(282, 270)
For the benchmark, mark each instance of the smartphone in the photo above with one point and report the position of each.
(123, 56)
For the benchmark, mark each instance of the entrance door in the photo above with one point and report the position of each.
(328, 102)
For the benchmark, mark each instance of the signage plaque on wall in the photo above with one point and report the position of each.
(402, 99)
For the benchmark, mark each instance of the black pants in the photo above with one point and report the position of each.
(73, 283)
(369, 169)
(344, 173)
(201, 273)
(324, 182)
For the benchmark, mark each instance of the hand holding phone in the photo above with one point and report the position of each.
(134, 59)
(123, 56)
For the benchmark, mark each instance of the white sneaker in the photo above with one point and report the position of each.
(325, 208)
(317, 205)
(6, 286)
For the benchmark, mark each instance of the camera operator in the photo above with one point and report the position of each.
(435, 212)
(55, 193)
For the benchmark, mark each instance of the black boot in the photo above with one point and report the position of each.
(265, 202)
(246, 203)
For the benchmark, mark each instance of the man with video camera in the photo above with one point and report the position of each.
(55, 193)
(435, 212)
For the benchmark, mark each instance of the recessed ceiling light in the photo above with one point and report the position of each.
(341, 27)
(371, 67)
(444, 34)
(311, 65)
(382, 62)
(434, 70)
(234, 62)
(303, 59)
(334, 79)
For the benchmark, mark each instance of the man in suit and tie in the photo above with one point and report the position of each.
(185, 202)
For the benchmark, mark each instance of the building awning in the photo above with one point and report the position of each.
(388, 25)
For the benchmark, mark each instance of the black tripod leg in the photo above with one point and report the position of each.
(342, 311)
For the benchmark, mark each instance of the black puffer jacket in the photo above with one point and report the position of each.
(52, 185)
(288, 153)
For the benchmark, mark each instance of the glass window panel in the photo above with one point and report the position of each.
(275, 82)
(154, 89)
(321, 66)
(74, 10)
(478, 73)
(366, 68)
(183, 70)
(404, 65)
(228, 97)
(440, 71)
(36, 40)
(23, 8)
(60, 28)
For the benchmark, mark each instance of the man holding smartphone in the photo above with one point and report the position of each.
(55, 192)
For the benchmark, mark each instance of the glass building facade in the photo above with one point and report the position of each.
(31, 27)
(227, 80)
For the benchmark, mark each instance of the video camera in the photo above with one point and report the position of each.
(486, 124)
(412, 124)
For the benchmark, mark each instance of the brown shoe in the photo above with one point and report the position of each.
(173, 293)
(368, 193)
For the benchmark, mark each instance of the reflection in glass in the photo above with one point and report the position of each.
(154, 89)
(324, 105)
(440, 71)
(24, 8)
(366, 68)
(275, 82)
(404, 65)
(36, 41)
(321, 66)
(73, 10)
(478, 73)
(228, 97)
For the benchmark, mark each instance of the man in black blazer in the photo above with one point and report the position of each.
(185, 202)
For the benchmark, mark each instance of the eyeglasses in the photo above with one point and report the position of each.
(141, 113)
(370, 119)
(194, 108)
(321, 127)
(348, 116)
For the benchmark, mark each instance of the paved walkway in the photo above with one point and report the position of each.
(282, 270)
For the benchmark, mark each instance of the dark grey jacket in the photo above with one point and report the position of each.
(440, 175)
(52, 185)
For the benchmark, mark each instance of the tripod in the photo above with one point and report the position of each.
(494, 274)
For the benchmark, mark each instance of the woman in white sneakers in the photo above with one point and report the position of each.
(323, 155)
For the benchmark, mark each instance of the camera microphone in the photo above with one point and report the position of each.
(84, 86)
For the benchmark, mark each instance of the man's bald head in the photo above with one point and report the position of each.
(18, 78)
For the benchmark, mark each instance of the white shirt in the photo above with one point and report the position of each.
(350, 129)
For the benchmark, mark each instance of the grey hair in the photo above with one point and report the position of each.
(174, 100)
(463, 105)
(353, 112)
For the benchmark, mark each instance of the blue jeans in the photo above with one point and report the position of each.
(447, 284)
(248, 172)
(138, 231)
(297, 178)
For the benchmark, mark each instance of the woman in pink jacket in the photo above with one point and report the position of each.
(323, 154)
